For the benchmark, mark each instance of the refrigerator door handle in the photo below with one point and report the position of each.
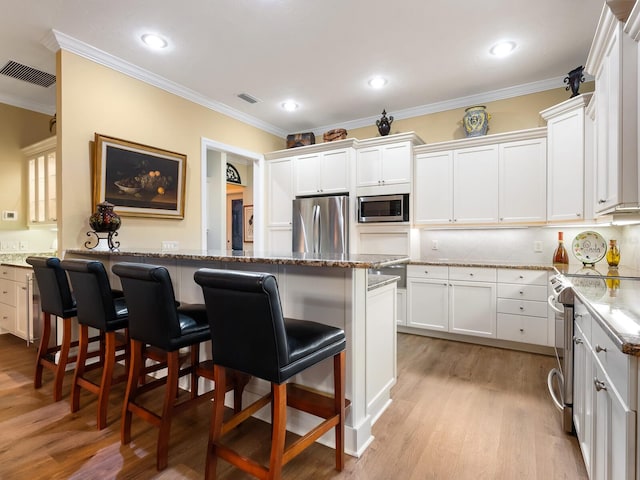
(316, 229)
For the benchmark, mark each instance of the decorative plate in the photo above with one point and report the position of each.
(589, 247)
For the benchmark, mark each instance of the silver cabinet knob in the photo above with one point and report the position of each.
(577, 340)
(522, 330)
(601, 201)
(600, 349)
(521, 292)
(598, 384)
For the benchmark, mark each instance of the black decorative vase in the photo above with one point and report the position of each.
(573, 80)
(105, 219)
(384, 124)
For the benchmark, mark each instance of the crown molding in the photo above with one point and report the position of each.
(569, 105)
(632, 26)
(101, 57)
(607, 25)
(461, 102)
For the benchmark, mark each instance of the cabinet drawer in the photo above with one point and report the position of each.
(532, 277)
(616, 364)
(522, 292)
(7, 317)
(522, 307)
(7, 273)
(8, 292)
(522, 328)
(472, 274)
(428, 271)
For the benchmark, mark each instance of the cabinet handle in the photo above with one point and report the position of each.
(455, 219)
(521, 277)
(501, 219)
(598, 384)
(600, 349)
(521, 308)
(577, 340)
(521, 292)
(577, 315)
(522, 330)
(4, 292)
(426, 272)
(471, 274)
(578, 215)
(601, 201)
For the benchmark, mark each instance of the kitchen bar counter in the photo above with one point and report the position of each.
(484, 264)
(302, 259)
(334, 290)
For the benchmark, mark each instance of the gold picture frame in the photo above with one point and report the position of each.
(139, 180)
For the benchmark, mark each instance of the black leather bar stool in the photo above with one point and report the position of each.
(104, 309)
(56, 301)
(249, 334)
(158, 329)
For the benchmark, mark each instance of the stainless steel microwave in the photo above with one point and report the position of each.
(383, 208)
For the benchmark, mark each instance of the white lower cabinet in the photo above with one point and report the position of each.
(16, 316)
(456, 300)
(604, 401)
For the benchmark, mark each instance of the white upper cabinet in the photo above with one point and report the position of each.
(41, 171)
(568, 149)
(279, 193)
(494, 179)
(322, 173)
(613, 61)
(384, 164)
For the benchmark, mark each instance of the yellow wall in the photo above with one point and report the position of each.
(517, 113)
(93, 98)
(19, 128)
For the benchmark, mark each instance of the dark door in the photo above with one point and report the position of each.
(236, 225)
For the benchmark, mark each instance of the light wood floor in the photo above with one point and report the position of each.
(459, 411)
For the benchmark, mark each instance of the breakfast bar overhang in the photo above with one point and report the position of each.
(335, 290)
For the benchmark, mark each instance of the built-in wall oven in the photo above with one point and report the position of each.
(560, 378)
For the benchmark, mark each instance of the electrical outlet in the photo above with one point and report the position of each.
(169, 245)
(13, 245)
(4, 245)
(537, 246)
(23, 245)
(434, 244)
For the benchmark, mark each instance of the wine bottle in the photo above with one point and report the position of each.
(560, 255)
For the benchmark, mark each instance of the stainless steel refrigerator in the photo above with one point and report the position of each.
(321, 225)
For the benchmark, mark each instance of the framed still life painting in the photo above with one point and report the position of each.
(139, 180)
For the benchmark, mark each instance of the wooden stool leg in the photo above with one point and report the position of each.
(43, 348)
(107, 377)
(339, 374)
(215, 432)
(135, 370)
(278, 430)
(83, 344)
(171, 392)
(63, 360)
(195, 360)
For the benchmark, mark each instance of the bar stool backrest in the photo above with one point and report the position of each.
(247, 327)
(153, 315)
(91, 287)
(55, 293)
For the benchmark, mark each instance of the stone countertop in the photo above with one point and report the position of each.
(485, 264)
(615, 304)
(380, 280)
(302, 259)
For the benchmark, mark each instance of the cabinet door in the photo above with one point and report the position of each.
(396, 164)
(475, 184)
(402, 307)
(523, 181)
(334, 174)
(307, 174)
(566, 157)
(41, 170)
(279, 193)
(473, 308)
(433, 188)
(369, 167)
(583, 394)
(279, 239)
(7, 318)
(614, 434)
(428, 304)
(24, 329)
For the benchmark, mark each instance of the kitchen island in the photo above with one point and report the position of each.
(331, 289)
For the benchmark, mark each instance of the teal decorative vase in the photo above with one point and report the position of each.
(476, 121)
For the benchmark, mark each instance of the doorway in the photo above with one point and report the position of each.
(234, 221)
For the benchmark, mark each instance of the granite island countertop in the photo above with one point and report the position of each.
(484, 264)
(291, 258)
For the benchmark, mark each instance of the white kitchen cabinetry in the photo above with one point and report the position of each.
(278, 211)
(452, 299)
(495, 179)
(613, 61)
(41, 171)
(523, 313)
(605, 400)
(384, 164)
(16, 316)
(568, 150)
(428, 297)
(322, 173)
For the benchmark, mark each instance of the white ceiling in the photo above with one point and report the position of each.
(434, 52)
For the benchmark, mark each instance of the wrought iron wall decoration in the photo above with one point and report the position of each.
(232, 174)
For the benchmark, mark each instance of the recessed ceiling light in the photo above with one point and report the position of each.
(377, 82)
(290, 105)
(502, 49)
(154, 41)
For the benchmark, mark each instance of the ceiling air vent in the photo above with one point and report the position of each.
(248, 98)
(28, 74)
